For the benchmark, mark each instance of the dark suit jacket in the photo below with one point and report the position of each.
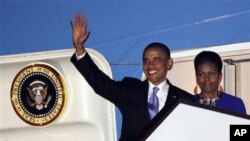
(130, 95)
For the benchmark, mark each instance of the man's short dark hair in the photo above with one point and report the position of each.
(161, 46)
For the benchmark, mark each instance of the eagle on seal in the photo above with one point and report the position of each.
(38, 92)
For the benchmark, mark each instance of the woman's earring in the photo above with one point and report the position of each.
(221, 90)
(196, 89)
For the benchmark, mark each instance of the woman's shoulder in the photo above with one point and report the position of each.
(235, 103)
(229, 97)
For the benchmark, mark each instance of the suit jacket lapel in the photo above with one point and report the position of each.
(145, 93)
(172, 95)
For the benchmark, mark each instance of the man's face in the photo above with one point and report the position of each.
(156, 65)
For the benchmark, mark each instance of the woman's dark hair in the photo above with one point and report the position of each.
(161, 46)
(208, 56)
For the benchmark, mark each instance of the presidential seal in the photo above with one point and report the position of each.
(38, 94)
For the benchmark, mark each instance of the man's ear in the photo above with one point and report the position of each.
(170, 63)
(221, 74)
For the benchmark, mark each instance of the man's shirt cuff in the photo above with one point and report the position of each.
(81, 56)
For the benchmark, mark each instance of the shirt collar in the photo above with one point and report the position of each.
(162, 86)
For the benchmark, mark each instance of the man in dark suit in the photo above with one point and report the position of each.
(130, 95)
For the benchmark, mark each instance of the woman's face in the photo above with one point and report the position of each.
(208, 78)
(156, 65)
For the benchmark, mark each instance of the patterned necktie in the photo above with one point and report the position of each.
(153, 103)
